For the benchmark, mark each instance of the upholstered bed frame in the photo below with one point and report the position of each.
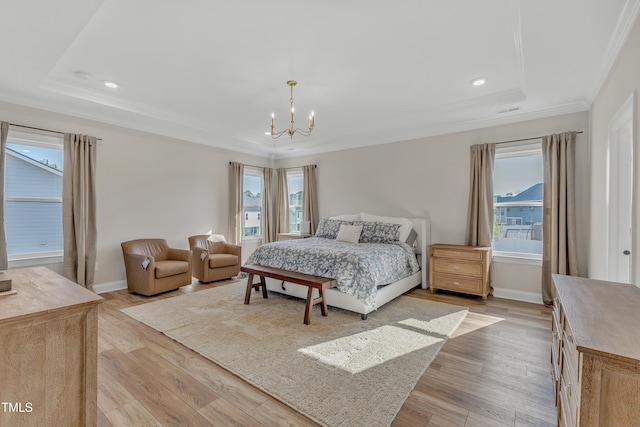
(338, 299)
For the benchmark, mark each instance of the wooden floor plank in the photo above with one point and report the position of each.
(188, 388)
(163, 405)
(494, 369)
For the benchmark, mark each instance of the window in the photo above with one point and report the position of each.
(252, 202)
(518, 187)
(33, 196)
(295, 182)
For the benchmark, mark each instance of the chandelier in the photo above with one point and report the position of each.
(292, 129)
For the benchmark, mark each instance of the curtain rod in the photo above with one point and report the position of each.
(525, 139)
(42, 129)
(262, 167)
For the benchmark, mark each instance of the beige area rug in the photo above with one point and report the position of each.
(339, 370)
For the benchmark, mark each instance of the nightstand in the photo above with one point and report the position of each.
(289, 236)
(459, 268)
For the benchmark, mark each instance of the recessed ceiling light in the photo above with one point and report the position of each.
(479, 82)
(111, 84)
(267, 133)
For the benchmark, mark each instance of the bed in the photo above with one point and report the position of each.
(362, 286)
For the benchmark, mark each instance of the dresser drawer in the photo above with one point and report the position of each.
(570, 389)
(443, 265)
(458, 254)
(566, 417)
(457, 283)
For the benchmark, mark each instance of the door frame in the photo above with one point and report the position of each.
(624, 117)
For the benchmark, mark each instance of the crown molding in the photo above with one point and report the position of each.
(625, 24)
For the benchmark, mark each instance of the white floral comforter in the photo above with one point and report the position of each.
(358, 268)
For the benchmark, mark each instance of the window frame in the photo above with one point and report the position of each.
(39, 140)
(294, 173)
(257, 173)
(513, 151)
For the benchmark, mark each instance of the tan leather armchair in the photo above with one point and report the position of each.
(153, 267)
(214, 258)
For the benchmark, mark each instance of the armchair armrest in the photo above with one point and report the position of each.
(179, 254)
(137, 276)
(233, 249)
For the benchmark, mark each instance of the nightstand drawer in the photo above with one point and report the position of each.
(457, 283)
(443, 265)
(458, 254)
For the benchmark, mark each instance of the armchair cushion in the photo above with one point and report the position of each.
(222, 260)
(170, 268)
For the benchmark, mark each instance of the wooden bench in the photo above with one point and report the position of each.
(312, 282)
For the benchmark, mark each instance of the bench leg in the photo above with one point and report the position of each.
(247, 295)
(323, 302)
(313, 301)
(263, 283)
(308, 306)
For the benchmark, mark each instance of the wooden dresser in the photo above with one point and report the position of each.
(595, 352)
(48, 351)
(460, 268)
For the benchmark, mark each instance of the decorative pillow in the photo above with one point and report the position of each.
(349, 233)
(328, 228)
(378, 232)
(413, 236)
(406, 225)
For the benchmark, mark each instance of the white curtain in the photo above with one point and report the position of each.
(310, 197)
(4, 132)
(559, 252)
(79, 208)
(480, 212)
(236, 180)
(282, 202)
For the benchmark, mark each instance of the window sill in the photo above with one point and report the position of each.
(31, 260)
(252, 239)
(522, 259)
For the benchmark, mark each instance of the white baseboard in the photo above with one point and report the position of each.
(109, 287)
(516, 295)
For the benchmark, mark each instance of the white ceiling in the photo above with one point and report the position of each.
(373, 71)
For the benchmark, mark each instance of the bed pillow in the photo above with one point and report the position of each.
(349, 233)
(406, 225)
(413, 236)
(328, 228)
(378, 232)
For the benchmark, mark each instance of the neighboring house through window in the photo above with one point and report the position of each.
(252, 202)
(295, 181)
(33, 196)
(518, 187)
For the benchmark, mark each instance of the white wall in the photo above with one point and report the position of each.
(147, 185)
(623, 80)
(430, 177)
(153, 186)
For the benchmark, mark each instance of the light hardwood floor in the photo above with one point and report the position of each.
(494, 371)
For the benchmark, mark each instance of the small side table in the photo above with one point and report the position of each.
(459, 268)
(289, 236)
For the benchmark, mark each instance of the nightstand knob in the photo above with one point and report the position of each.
(456, 283)
(456, 267)
(456, 253)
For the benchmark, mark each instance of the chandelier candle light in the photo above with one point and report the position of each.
(292, 130)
